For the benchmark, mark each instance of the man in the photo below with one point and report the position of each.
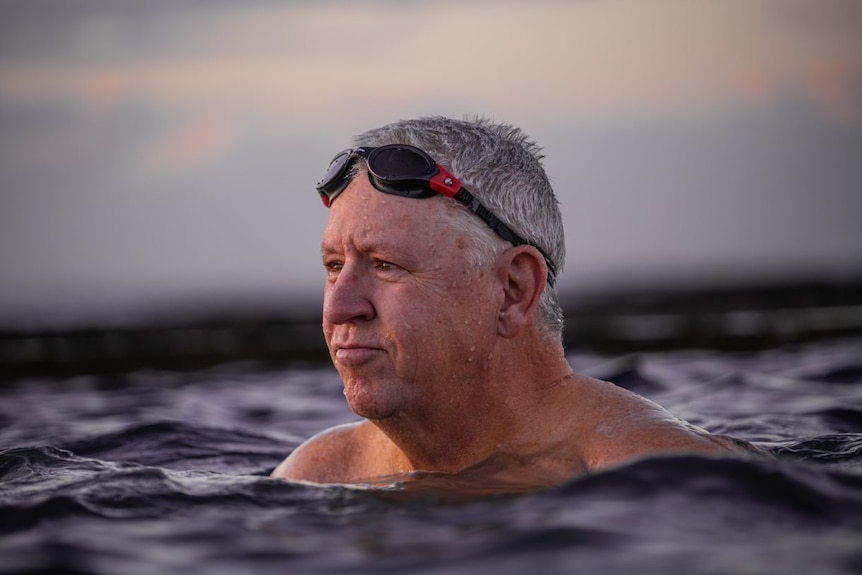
(441, 250)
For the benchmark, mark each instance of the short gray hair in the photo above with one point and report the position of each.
(502, 167)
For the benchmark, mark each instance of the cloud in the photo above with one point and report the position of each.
(836, 90)
(306, 63)
(202, 139)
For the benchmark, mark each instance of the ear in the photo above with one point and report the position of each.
(523, 273)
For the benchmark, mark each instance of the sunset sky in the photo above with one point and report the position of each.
(165, 153)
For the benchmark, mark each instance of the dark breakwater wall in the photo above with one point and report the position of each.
(612, 323)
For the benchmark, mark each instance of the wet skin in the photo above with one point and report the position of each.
(445, 363)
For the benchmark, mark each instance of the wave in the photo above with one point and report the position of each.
(168, 474)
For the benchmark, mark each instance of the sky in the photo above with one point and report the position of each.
(160, 155)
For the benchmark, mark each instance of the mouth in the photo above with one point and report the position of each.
(354, 354)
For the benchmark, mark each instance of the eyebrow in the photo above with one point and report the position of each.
(366, 248)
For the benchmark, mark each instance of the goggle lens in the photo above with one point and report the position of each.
(333, 182)
(397, 163)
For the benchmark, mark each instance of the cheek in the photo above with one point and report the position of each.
(426, 320)
(462, 321)
(414, 331)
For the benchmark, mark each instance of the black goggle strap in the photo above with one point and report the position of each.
(448, 185)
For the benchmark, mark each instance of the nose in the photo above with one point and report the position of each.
(348, 297)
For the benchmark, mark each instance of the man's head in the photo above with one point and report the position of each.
(502, 169)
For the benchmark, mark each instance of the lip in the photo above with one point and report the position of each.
(355, 354)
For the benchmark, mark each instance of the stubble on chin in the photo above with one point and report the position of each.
(367, 398)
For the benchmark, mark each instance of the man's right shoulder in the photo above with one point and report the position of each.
(335, 455)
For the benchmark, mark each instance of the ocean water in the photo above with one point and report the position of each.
(167, 472)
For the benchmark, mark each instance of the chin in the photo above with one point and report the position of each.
(368, 400)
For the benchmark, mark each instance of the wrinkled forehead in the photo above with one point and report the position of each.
(362, 211)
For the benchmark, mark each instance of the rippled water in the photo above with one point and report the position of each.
(159, 472)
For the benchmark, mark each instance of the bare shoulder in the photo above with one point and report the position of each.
(626, 426)
(339, 454)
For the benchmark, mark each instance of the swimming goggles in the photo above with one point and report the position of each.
(408, 171)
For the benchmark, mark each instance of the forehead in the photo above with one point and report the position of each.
(363, 215)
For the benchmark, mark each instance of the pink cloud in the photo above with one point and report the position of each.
(835, 87)
(202, 139)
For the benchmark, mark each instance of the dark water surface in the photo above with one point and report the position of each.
(162, 472)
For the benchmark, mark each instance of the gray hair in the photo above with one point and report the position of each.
(501, 167)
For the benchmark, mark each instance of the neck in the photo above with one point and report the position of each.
(503, 409)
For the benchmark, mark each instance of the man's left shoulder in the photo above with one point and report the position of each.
(631, 426)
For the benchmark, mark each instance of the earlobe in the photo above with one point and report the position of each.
(523, 275)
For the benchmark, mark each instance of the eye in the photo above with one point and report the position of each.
(388, 270)
(385, 266)
(333, 266)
